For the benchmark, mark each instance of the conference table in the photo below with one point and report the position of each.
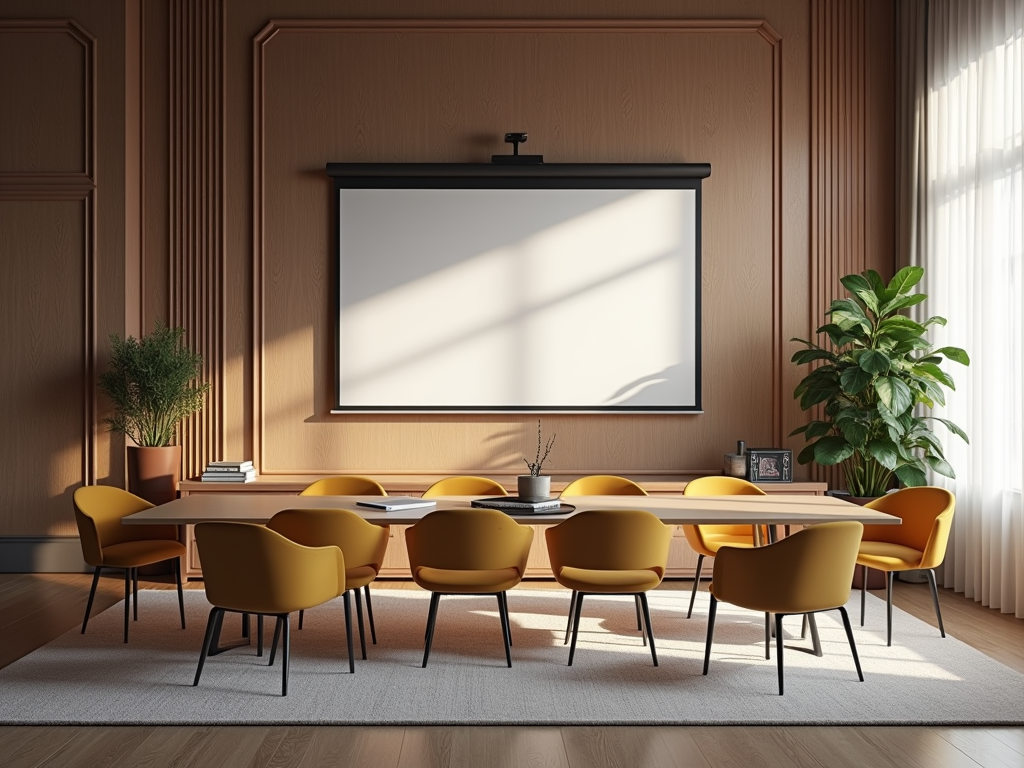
(756, 511)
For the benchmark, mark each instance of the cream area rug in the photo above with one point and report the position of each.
(921, 679)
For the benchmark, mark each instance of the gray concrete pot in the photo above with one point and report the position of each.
(534, 487)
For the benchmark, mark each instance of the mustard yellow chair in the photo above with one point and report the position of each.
(807, 572)
(106, 543)
(362, 543)
(250, 569)
(706, 540)
(345, 485)
(609, 552)
(465, 485)
(918, 543)
(603, 485)
(468, 552)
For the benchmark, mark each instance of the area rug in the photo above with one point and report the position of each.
(922, 679)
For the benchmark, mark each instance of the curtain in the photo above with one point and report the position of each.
(973, 208)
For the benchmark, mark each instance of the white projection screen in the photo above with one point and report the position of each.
(558, 288)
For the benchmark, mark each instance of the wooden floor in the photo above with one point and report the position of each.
(36, 608)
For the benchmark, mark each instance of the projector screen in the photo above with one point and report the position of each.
(498, 289)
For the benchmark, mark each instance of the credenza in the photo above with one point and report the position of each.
(682, 559)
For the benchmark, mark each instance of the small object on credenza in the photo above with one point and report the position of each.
(769, 465)
(736, 463)
(229, 472)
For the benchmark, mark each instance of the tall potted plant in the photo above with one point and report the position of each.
(153, 384)
(535, 486)
(875, 377)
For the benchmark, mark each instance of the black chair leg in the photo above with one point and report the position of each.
(853, 645)
(639, 618)
(568, 623)
(779, 646)
(575, 625)
(92, 596)
(127, 600)
(135, 594)
(508, 623)
(642, 599)
(369, 614)
(767, 636)
(863, 591)
(435, 598)
(277, 638)
(712, 610)
(285, 652)
(211, 625)
(181, 595)
(348, 633)
(301, 614)
(503, 615)
(359, 618)
(696, 582)
(935, 599)
(259, 634)
(888, 607)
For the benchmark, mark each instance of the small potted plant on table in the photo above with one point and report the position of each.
(535, 486)
(152, 383)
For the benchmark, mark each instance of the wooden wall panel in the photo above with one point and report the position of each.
(444, 91)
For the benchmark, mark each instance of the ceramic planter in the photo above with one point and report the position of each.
(153, 473)
(534, 487)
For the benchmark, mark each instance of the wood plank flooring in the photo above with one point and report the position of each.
(36, 608)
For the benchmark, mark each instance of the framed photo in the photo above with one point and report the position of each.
(769, 465)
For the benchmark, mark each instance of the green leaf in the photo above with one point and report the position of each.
(817, 429)
(889, 418)
(906, 279)
(952, 428)
(874, 361)
(898, 323)
(955, 354)
(884, 452)
(861, 288)
(894, 394)
(854, 379)
(832, 450)
(807, 454)
(901, 302)
(875, 279)
(854, 431)
(815, 395)
(934, 320)
(932, 371)
(941, 466)
(911, 475)
(804, 356)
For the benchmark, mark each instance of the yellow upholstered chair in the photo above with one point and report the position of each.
(362, 543)
(807, 572)
(465, 485)
(706, 540)
(251, 569)
(106, 543)
(468, 552)
(603, 485)
(919, 543)
(345, 485)
(609, 552)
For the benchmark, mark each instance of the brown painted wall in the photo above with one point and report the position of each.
(236, 245)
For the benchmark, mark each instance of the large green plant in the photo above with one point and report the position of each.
(152, 384)
(870, 379)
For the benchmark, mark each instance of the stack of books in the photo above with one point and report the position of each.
(516, 504)
(229, 472)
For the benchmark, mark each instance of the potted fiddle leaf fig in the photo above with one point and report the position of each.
(876, 378)
(153, 384)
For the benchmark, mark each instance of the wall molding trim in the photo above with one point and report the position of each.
(275, 29)
(41, 554)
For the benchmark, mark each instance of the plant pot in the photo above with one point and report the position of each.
(876, 579)
(153, 473)
(534, 487)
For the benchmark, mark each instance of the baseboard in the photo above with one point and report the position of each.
(41, 554)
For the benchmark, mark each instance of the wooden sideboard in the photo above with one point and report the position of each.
(682, 561)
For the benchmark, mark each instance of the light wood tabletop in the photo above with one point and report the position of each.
(682, 510)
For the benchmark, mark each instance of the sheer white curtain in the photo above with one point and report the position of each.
(972, 253)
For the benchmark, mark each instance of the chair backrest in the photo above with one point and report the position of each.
(362, 543)
(248, 567)
(808, 571)
(98, 513)
(465, 485)
(345, 485)
(603, 485)
(927, 515)
(610, 539)
(718, 485)
(468, 539)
